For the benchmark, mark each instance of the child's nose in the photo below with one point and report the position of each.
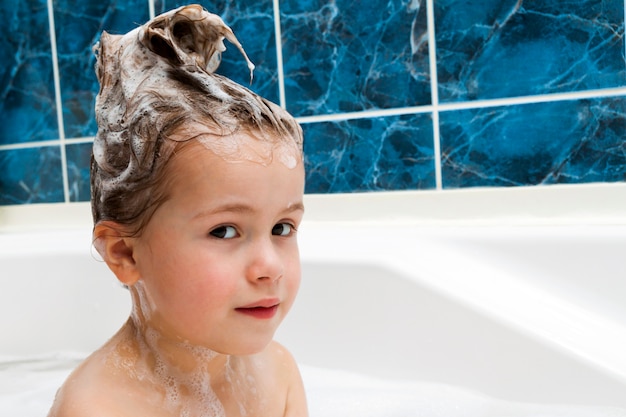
(265, 263)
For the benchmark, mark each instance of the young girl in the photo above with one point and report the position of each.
(197, 188)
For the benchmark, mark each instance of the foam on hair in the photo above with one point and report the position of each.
(158, 88)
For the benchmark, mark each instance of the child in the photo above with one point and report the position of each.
(197, 187)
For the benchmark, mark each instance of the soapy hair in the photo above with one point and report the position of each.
(155, 82)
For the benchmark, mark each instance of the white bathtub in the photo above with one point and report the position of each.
(411, 304)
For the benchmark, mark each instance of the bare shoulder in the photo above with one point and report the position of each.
(80, 396)
(289, 375)
(280, 355)
(96, 389)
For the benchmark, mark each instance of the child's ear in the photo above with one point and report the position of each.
(117, 251)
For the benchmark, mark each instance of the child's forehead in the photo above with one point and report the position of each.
(244, 145)
(202, 175)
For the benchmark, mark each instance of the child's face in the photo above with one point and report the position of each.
(219, 260)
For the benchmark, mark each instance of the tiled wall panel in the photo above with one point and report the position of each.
(78, 26)
(347, 56)
(510, 48)
(78, 161)
(27, 104)
(31, 175)
(371, 154)
(570, 141)
(392, 94)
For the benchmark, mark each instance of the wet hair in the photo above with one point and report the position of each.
(156, 83)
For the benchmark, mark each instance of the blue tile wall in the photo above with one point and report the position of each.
(370, 154)
(78, 25)
(392, 94)
(78, 161)
(341, 57)
(31, 175)
(27, 105)
(570, 141)
(508, 48)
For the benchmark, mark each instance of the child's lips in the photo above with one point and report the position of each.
(265, 309)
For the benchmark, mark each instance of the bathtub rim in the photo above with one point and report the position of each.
(594, 204)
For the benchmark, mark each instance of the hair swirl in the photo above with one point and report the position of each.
(154, 81)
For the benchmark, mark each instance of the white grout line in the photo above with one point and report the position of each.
(467, 105)
(434, 92)
(151, 9)
(441, 107)
(59, 103)
(44, 143)
(536, 99)
(76, 141)
(365, 114)
(279, 55)
(29, 145)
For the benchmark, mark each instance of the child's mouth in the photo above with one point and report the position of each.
(259, 312)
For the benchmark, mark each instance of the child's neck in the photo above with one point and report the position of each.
(188, 374)
(185, 375)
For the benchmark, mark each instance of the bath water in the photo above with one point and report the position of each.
(28, 386)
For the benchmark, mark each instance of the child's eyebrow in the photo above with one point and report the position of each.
(226, 208)
(299, 206)
(243, 208)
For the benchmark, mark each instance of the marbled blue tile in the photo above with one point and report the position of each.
(346, 56)
(31, 175)
(28, 110)
(386, 153)
(600, 155)
(507, 48)
(78, 27)
(78, 161)
(576, 141)
(253, 24)
(352, 55)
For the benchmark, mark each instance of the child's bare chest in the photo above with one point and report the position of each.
(257, 397)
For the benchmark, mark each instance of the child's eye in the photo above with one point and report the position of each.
(283, 229)
(224, 232)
